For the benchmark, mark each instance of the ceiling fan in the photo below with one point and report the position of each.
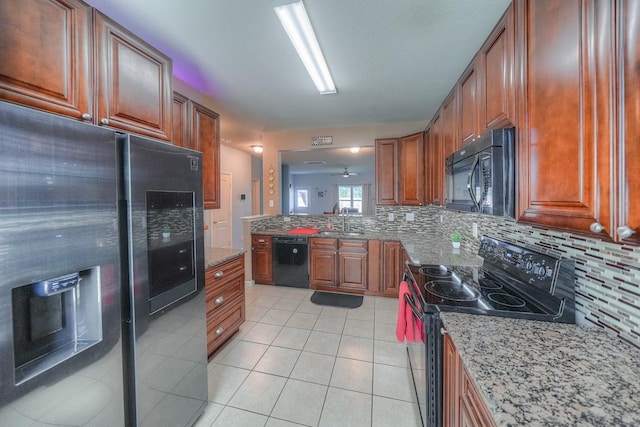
(346, 173)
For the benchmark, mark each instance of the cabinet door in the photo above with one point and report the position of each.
(393, 262)
(135, 82)
(387, 161)
(412, 169)
(436, 164)
(468, 113)
(180, 121)
(564, 137)
(46, 55)
(323, 268)
(450, 383)
(261, 259)
(497, 96)
(353, 270)
(450, 125)
(629, 150)
(205, 137)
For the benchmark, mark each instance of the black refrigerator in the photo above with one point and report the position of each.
(102, 276)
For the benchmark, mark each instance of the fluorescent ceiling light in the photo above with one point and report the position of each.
(295, 21)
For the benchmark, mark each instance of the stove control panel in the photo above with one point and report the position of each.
(530, 267)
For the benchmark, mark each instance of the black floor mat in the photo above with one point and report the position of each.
(336, 300)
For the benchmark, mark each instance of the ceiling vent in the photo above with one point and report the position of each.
(321, 140)
(315, 162)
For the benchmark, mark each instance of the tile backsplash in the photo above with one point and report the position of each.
(607, 274)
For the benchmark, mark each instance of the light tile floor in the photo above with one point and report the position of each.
(295, 363)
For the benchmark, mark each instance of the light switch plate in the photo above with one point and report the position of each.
(270, 203)
(391, 217)
(474, 229)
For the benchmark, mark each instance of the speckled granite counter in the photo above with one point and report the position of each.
(215, 256)
(422, 248)
(548, 374)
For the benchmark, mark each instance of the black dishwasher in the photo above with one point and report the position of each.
(291, 261)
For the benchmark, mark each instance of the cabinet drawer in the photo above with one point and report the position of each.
(218, 298)
(218, 276)
(223, 325)
(323, 243)
(353, 245)
(261, 240)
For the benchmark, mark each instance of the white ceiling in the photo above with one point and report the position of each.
(392, 61)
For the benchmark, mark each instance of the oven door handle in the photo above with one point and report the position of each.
(474, 166)
(416, 312)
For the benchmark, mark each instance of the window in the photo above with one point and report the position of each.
(350, 197)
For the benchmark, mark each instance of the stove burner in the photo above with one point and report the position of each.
(452, 290)
(507, 300)
(437, 271)
(489, 284)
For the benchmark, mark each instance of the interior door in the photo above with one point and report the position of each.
(221, 218)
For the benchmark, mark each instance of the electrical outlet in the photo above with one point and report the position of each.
(440, 219)
(410, 216)
(270, 203)
(474, 230)
(391, 217)
(286, 219)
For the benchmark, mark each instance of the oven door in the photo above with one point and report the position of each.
(416, 352)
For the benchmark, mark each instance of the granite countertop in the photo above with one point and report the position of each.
(548, 374)
(215, 256)
(422, 248)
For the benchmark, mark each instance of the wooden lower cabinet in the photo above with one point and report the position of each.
(262, 259)
(461, 402)
(386, 266)
(338, 264)
(323, 263)
(352, 262)
(225, 301)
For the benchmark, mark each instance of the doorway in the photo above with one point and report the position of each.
(221, 223)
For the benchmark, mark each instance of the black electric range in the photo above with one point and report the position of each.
(513, 281)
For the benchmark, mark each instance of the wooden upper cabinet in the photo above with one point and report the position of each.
(435, 167)
(180, 121)
(46, 55)
(412, 169)
(469, 105)
(387, 161)
(135, 82)
(495, 63)
(564, 137)
(450, 142)
(629, 150)
(205, 137)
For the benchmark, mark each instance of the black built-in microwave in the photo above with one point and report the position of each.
(480, 177)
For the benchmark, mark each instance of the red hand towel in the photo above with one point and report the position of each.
(401, 323)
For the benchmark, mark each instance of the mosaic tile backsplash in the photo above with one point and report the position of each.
(607, 274)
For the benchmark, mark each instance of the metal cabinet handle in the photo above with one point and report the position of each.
(624, 231)
(182, 251)
(218, 274)
(86, 116)
(183, 268)
(219, 300)
(596, 227)
(260, 240)
(219, 331)
(104, 121)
